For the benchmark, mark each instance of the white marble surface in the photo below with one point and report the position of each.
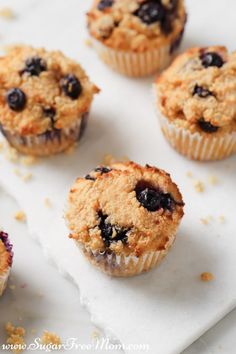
(39, 305)
(39, 24)
(38, 297)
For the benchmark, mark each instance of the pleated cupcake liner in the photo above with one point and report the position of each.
(139, 64)
(51, 142)
(3, 280)
(125, 266)
(134, 64)
(197, 146)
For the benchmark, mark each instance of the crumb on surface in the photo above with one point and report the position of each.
(207, 276)
(17, 172)
(206, 220)
(51, 338)
(28, 160)
(15, 337)
(222, 219)
(189, 174)
(11, 154)
(108, 159)
(27, 177)
(95, 334)
(213, 180)
(20, 216)
(7, 13)
(199, 186)
(12, 287)
(88, 42)
(47, 203)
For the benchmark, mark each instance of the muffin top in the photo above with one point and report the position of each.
(6, 253)
(137, 25)
(124, 208)
(198, 91)
(41, 90)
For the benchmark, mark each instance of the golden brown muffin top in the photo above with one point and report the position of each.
(41, 90)
(198, 91)
(124, 208)
(136, 25)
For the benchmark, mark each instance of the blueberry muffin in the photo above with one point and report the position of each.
(196, 99)
(45, 99)
(137, 37)
(124, 217)
(6, 256)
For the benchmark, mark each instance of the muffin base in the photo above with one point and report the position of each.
(134, 64)
(125, 266)
(49, 143)
(3, 281)
(198, 146)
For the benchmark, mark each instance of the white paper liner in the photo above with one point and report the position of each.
(51, 142)
(3, 281)
(195, 146)
(124, 266)
(134, 64)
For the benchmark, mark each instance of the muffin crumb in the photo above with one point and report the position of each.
(207, 276)
(20, 216)
(96, 334)
(204, 221)
(88, 42)
(7, 13)
(27, 177)
(17, 172)
(11, 154)
(51, 338)
(28, 160)
(47, 203)
(222, 219)
(189, 174)
(213, 180)
(199, 186)
(15, 337)
(108, 159)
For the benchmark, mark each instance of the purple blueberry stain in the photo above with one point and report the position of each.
(5, 239)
